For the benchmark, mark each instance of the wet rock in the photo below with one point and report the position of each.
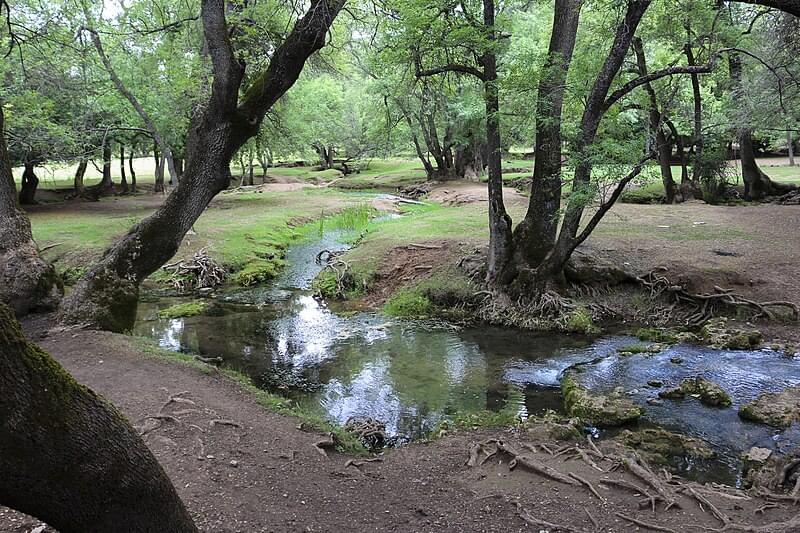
(779, 409)
(654, 401)
(655, 383)
(704, 390)
(603, 410)
(660, 446)
(553, 426)
(659, 335)
(640, 348)
(676, 360)
(719, 334)
(776, 473)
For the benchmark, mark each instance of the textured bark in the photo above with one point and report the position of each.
(106, 297)
(80, 173)
(788, 6)
(790, 147)
(158, 185)
(106, 182)
(535, 235)
(590, 122)
(499, 220)
(30, 182)
(27, 283)
(69, 457)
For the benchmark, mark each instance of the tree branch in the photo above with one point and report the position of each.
(462, 69)
(788, 6)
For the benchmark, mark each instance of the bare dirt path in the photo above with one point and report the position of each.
(263, 474)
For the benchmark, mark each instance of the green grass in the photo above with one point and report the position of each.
(193, 308)
(407, 303)
(347, 443)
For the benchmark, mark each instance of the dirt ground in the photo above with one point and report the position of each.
(266, 475)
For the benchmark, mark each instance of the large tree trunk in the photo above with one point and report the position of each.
(80, 174)
(757, 184)
(590, 122)
(499, 221)
(123, 180)
(27, 283)
(69, 457)
(106, 297)
(535, 235)
(106, 182)
(790, 147)
(30, 182)
(133, 172)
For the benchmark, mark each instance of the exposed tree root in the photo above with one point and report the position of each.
(359, 463)
(696, 309)
(177, 398)
(647, 525)
(549, 526)
(325, 444)
(639, 469)
(338, 266)
(588, 485)
(224, 422)
(198, 272)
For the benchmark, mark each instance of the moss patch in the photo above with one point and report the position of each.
(193, 308)
(704, 390)
(656, 335)
(580, 321)
(601, 410)
(407, 303)
(659, 446)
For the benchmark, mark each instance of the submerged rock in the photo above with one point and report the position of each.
(704, 390)
(659, 446)
(603, 410)
(717, 333)
(779, 409)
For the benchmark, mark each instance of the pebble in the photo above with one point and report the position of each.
(234, 463)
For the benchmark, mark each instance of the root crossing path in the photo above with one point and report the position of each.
(239, 467)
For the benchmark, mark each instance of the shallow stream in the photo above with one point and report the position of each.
(412, 375)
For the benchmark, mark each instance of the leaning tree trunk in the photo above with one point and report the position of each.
(69, 457)
(535, 235)
(133, 172)
(757, 184)
(159, 171)
(107, 296)
(30, 182)
(80, 174)
(27, 283)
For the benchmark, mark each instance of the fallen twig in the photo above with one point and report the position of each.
(642, 523)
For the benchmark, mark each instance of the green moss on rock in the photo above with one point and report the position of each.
(659, 446)
(193, 308)
(656, 335)
(779, 409)
(704, 390)
(608, 410)
(407, 303)
(718, 333)
(580, 321)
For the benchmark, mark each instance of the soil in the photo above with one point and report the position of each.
(266, 475)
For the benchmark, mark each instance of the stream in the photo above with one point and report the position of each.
(412, 375)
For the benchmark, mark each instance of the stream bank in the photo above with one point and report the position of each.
(419, 377)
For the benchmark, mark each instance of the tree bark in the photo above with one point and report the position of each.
(790, 147)
(590, 122)
(80, 174)
(123, 180)
(656, 126)
(133, 172)
(27, 282)
(158, 177)
(30, 182)
(535, 235)
(499, 220)
(69, 457)
(106, 182)
(107, 296)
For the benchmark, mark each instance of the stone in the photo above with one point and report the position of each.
(655, 383)
(779, 409)
(659, 446)
(676, 360)
(234, 463)
(603, 410)
(757, 455)
(704, 390)
(719, 334)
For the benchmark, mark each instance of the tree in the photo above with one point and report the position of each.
(69, 457)
(106, 297)
(27, 283)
